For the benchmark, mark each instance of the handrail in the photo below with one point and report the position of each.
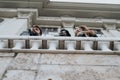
(60, 38)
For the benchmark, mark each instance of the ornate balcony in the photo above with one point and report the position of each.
(28, 44)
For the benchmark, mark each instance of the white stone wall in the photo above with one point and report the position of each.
(12, 26)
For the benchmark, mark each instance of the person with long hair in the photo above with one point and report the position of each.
(35, 31)
(64, 32)
(84, 31)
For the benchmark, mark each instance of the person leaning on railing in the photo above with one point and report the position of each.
(64, 32)
(84, 31)
(34, 31)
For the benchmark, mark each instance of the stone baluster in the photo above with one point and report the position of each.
(117, 46)
(35, 45)
(87, 46)
(18, 45)
(104, 47)
(52, 45)
(70, 46)
(2, 45)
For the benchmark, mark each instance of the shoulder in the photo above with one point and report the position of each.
(30, 32)
(25, 33)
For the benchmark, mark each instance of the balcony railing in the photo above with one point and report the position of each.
(80, 45)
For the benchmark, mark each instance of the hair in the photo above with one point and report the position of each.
(84, 27)
(67, 32)
(38, 28)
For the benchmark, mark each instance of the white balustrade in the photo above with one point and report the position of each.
(87, 46)
(66, 44)
(35, 45)
(18, 45)
(117, 46)
(104, 47)
(2, 45)
(52, 45)
(70, 45)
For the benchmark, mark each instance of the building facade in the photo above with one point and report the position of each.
(51, 57)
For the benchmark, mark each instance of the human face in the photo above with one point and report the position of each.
(36, 30)
(64, 33)
(77, 29)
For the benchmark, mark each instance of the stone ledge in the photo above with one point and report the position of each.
(7, 54)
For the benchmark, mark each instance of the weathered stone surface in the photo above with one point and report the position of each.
(7, 54)
(60, 67)
(80, 59)
(67, 72)
(4, 62)
(25, 61)
(19, 75)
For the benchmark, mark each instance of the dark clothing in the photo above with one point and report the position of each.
(28, 33)
(93, 35)
(64, 32)
(31, 33)
(25, 33)
(81, 35)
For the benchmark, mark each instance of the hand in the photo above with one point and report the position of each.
(37, 31)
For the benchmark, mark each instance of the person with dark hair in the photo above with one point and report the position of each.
(64, 32)
(79, 32)
(83, 31)
(34, 31)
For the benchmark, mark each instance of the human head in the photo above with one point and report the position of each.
(84, 27)
(79, 32)
(64, 32)
(37, 30)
